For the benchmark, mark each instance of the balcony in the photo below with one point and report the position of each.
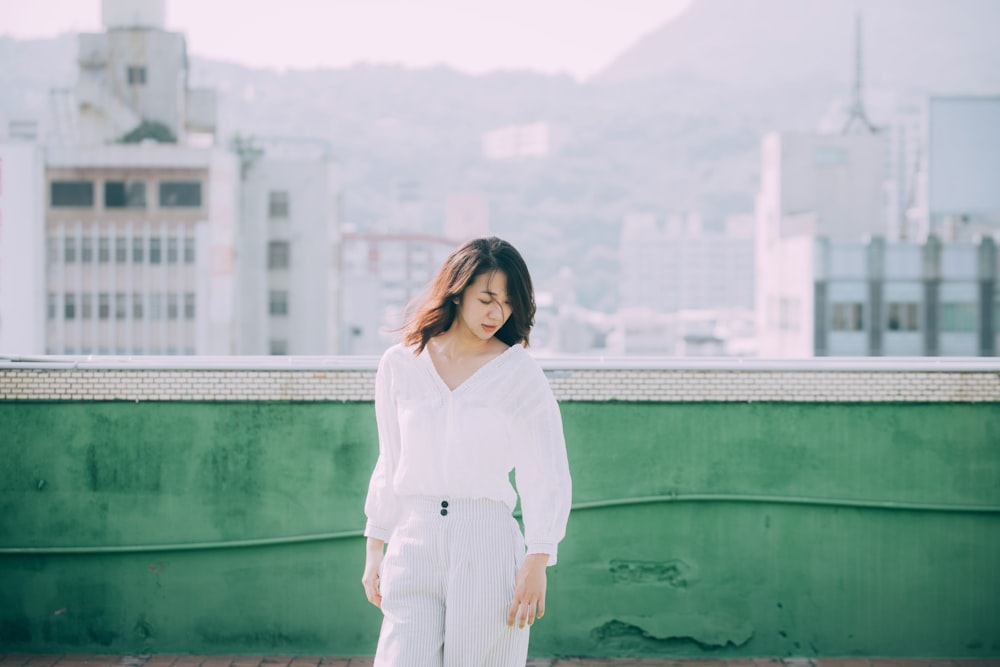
(722, 508)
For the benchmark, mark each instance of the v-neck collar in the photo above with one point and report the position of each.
(425, 354)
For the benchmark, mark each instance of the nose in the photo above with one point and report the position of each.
(496, 311)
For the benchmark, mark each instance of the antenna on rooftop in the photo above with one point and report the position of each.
(857, 117)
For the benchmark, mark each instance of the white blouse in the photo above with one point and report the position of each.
(434, 441)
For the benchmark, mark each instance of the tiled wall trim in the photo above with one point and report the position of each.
(603, 384)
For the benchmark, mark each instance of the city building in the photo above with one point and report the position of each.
(138, 232)
(139, 254)
(22, 245)
(383, 273)
(873, 298)
(812, 185)
(681, 266)
(288, 297)
(520, 141)
(963, 166)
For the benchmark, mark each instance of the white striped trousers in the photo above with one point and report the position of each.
(447, 582)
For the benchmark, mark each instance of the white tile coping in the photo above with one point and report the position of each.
(589, 379)
(574, 363)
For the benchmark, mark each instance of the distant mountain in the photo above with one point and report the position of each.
(941, 46)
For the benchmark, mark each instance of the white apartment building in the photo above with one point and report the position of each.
(873, 298)
(146, 236)
(383, 274)
(812, 185)
(22, 245)
(288, 298)
(139, 250)
(680, 266)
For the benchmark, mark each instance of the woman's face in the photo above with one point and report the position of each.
(484, 307)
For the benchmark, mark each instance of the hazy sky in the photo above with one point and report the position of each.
(580, 37)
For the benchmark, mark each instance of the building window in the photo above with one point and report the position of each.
(172, 250)
(137, 250)
(136, 75)
(69, 250)
(278, 254)
(958, 317)
(279, 346)
(278, 303)
(121, 250)
(51, 306)
(87, 250)
(171, 306)
(137, 306)
(69, 306)
(904, 317)
(189, 305)
(155, 250)
(72, 194)
(124, 194)
(121, 306)
(848, 317)
(103, 250)
(103, 306)
(189, 250)
(180, 194)
(86, 306)
(51, 250)
(277, 204)
(156, 306)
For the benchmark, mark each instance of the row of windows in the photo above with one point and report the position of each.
(124, 194)
(118, 306)
(955, 317)
(157, 252)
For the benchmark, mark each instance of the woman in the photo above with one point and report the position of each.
(459, 404)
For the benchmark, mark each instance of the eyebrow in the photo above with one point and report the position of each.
(486, 291)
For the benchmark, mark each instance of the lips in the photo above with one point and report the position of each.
(489, 328)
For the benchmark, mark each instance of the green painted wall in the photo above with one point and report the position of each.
(699, 529)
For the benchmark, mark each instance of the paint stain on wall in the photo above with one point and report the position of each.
(674, 573)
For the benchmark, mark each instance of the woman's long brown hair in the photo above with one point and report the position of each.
(436, 312)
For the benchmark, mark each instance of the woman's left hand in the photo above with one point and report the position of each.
(529, 591)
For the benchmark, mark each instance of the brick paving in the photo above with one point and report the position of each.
(99, 660)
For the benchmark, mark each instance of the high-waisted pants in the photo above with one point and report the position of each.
(447, 583)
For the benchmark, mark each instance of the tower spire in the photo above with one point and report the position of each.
(857, 117)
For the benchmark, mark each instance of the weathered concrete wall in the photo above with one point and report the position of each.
(699, 529)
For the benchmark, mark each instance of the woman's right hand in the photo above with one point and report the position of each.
(373, 563)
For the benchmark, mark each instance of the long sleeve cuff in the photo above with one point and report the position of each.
(378, 533)
(549, 548)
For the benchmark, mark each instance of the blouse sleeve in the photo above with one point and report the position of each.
(382, 505)
(542, 469)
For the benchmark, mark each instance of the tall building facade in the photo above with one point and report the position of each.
(812, 185)
(152, 238)
(878, 298)
(139, 250)
(22, 246)
(383, 274)
(680, 266)
(289, 269)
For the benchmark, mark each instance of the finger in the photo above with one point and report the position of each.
(541, 607)
(511, 613)
(524, 614)
(531, 614)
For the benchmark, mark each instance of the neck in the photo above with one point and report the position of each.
(457, 342)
